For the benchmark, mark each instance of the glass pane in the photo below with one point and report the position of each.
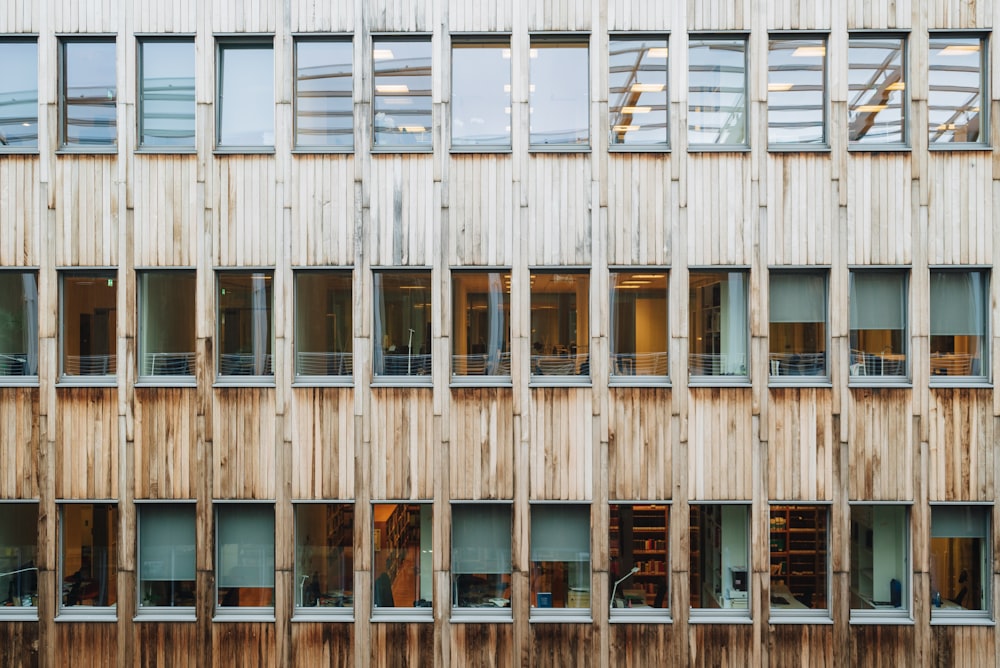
(798, 558)
(796, 104)
(324, 555)
(640, 556)
(482, 324)
(245, 565)
(481, 555)
(167, 94)
(880, 576)
(18, 558)
(637, 92)
(166, 323)
(720, 553)
(324, 328)
(324, 107)
(639, 324)
(89, 552)
(876, 90)
(798, 324)
(90, 93)
(402, 101)
(246, 95)
(18, 95)
(878, 324)
(480, 95)
(718, 323)
(18, 324)
(954, 89)
(166, 555)
(246, 330)
(717, 100)
(960, 571)
(560, 556)
(560, 319)
(959, 307)
(403, 557)
(89, 324)
(559, 94)
(403, 323)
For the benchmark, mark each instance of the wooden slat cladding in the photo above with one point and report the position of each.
(800, 445)
(321, 16)
(799, 15)
(86, 465)
(96, 643)
(481, 210)
(166, 443)
(20, 16)
(483, 16)
(640, 204)
(559, 209)
(880, 439)
(19, 211)
(399, 16)
(793, 645)
(962, 445)
(563, 16)
(719, 14)
(176, 16)
(323, 443)
(627, 15)
(960, 209)
(328, 645)
(562, 444)
(323, 203)
(963, 646)
(244, 644)
(637, 645)
(163, 195)
(880, 14)
(720, 444)
(401, 191)
(482, 645)
(243, 449)
(165, 644)
(246, 209)
(640, 432)
(84, 16)
(887, 645)
(19, 645)
(402, 444)
(87, 207)
(482, 443)
(720, 645)
(721, 220)
(249, 16)
(394, 645)
(879, 209)
(19, 443)
(558, 645)
(803, 218)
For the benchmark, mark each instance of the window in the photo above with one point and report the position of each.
(18, 95)
(796, 92)
(638, 104)
(18, 325)
(166, 93)
(89, 94)
(166, 323)
(324, 324)
(960, 561)
(720, 556)
(959, 322)
(481, 559)
(956, 88)
(89, 324)
(244, 565)
(166, 557)
(717, 309)
(403, 558)
(403, 324)
(799, 563)
(324, 558)
(245, 107)
(88, 567)
(878, 324)
(876, 102)
(559, 94)
(402, 100)
(560, 331)
(640, 558)
(797, 332)
(18, 560)
(480, 95)
(324, 107)
(717, 92)
(560, 560)
(246, 329)
(482, 324)
(880, 561)
(639, 324)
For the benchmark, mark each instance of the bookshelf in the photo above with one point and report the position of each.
(799, 552)
(639, 536)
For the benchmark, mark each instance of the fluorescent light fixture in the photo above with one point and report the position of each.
(777, 87)
(657, 52)
(817, 51)
(648, 276)
(871, 108)
(647, 87)
(382, 54)
(412, 129)
(896, 85)
(959, 49)
(625, 128)
(636, 110)
(391, 88)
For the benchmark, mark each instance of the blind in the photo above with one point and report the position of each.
(166, 543)
(481, 538)
(959, 522)
(797, 298)
(560, 533)
(957, 305)
(246, 546)
(878, 300)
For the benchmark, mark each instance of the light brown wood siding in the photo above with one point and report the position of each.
(323, 443)
(641, 436)
(166, 458)
(481, 444)
(19, 443)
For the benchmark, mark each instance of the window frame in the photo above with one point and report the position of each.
(141, 39)
(240, 380)
(701, 147)
(21, 613)
(221, 613)
(480, 380)
(317, 613)
(643, 147)
(722, 380)
(807, 615)
(161, 613)
(388, 38)
(224, 42)
(466, 614)
(339, 38)
(563, 615)
(801, 147)
(565, 40)
(906, 106)
(984, 379)
(637, 380)
(473, 40)
(320, 380)
(85, 380)
(161, 380)
(6, 149)
(731, 615)
(823, 379)
(903, 615)
(400, 613)
(651, 615)
(579, 379)
(409, 379)
(962, 617)
(984, 143)
(25, 380)
(881, 380)
(75, 613)
(64, 146)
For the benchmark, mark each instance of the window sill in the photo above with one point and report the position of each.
(470, 616)
(798, 148)
(166, 381)
(640, 616)
(323, 381)
(166, 150)
(423, 382)
(718, 148)
(18, 614)
(245, 381)
(721, 617)
(87, 381)
(95, 150)
(88, 614)
(887, 618)
(480, 381)
(878, 148)
(939, 382)
(223, 151)
(559, 148)
(818, 617)
(323, 150)
(959, 148)
(153, 614)
(638, 148)
(472, 150)
(799, 381)
(719, 381)
(245, 615)
(639, 381)
(560, 381)
(334, 615)
(865, 382)
(20, 151)
(560, 616)
(394, 150)
(403, 615)
(18, 381)
(960, 619)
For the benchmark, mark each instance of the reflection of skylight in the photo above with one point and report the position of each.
(647, 88)
(657, 52)
(959, 49)
(391, 88)
(382, 54)
(817, 51)
(777, 87)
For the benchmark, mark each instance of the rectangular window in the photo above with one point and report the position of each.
(638, 104)
(718, 329)
(166, 323)
(245, 104)
(560, 560)
(402, 99)
(403, 558)
(959, 323)
(639, 539)
(560, 324)
(19, 560)
(166, 557)
(880, 561)
(166, 93)
(639, 324)
(960, 562)
(879, 341)
(88, 567)
(89, 92)
(244, 566)
(720, 556)
(956, 87)
(482, 324)
(799, 563)
(403, 324)
(18, 325)
(876, 101)
(796, 92)
(18, 95)
(481, 559)
(246, 329)
(324, 104)
(717, 92)
(797, 331)
(324, 324)
(480, 95)
(324, 558)
(559, 94)
(89, 324)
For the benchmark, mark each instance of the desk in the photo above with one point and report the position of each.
(782, 599)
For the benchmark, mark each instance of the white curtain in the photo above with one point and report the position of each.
(261, 331)
(734, 324)
(30, 323)
(378, 345)
(496, 325)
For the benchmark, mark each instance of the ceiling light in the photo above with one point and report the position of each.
(809, 51)
(647, 87)
(649, 275)
(871, 108)
(777, 87)
(625, 128)
(382, 54)
(386, 89)
(959, 49)
(412, 129)
(636, 110)
(896, 85)
(657, 52)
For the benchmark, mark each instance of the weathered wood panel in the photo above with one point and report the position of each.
(559, 209)
(640, 15)
(483, 16)
(165, 644)
(880, 442)
(243, 448)
(164, 197)
(720, 444)
(963, 646)
(481, 210)
(20, 16)
(323, 443)
(879, 209)
(157, 17)
(799, 15)
(880, 14)
(639, 202)
(800, 444)
(395, 645)
(19, 443)
(722, 221)
(19, 211)
(640, 445)
(19, 645)
(557, 645)
(803, 217)
(719, 14)
(485, 645)
(961, 446)
(960, 208)
(793, 645)
(562, 444)
(401, 191)
(560, 15)
(399, 16)
(482, 443)
(165, 451)
(885, 645)
(247, 211)
(403, 448)
(96, 643)
(86, 202)
(322, 645)
(84, 16)
(720, 645)
(636, 645)
(86, 465)
(259, 16)
(244, 644)
(322, 16)
(323, 204)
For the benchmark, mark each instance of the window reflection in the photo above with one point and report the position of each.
(245, 338)
(880, 555)
(796, 105)
(560, 557)
(718, 323)
(244, 541)
(560, 332)
(402, 100)
(878, 323)
(639, 324)
(480, 95)
(89, 323)
(90, 94)
(166, 323)
(955, 88)
(166, 555)
(324, 108)
(637, 81)
(166, 84)
(18, 323)
(18, 557)
(481, 556)
(717, 100)
(960, 559)
(876, 90)
(797, 332)
(959, 318)
(402, 559)
(324, 555)
(559, 94)
(246, 95)
(18, 94)
(403, 324)
(481, 338)
(720, 557)
(89, 542)
(324, 330)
